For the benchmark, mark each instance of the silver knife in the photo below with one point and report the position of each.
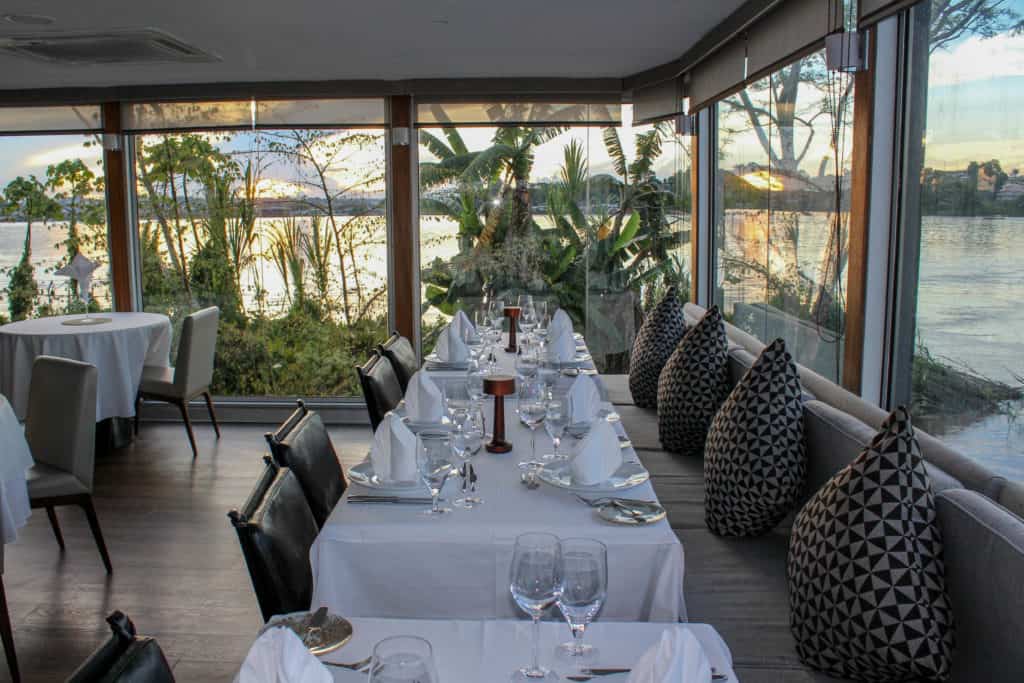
(391, 499)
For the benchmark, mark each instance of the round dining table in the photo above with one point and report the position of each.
(118, 344)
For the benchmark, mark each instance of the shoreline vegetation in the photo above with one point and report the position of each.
(944, 388)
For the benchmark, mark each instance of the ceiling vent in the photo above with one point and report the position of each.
(108, 47)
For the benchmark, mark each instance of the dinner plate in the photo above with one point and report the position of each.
(432, 362)
(559, 474)
(364, 475)
(444, 425)
(633, 513)
(579, 360)
(335, 632)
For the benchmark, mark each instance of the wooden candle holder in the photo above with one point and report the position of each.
(499, 386)
(512, 313)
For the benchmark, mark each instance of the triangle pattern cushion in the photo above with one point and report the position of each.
(657, 339)
(693, 385)
(755, 459)
(867, 586)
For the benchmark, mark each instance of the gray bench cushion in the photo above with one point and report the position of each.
(984, 555)
(617, 388)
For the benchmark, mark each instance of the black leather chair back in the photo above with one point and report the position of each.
(125, 658)
(399, 351)
(303, 445)
(276, 530)
(380, 387)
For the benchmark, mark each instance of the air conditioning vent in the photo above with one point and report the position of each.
(110, 47)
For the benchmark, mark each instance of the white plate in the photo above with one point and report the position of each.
(432, 362)
(580, 359)
(364, 475)
(559, 474)
(444, 425)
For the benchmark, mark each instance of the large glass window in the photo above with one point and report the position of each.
(781, 210)
(285, 230)
(593, 218)
(968, 366)
(52, 207)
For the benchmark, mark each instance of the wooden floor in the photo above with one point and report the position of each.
(178, 570)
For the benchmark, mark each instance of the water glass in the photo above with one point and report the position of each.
(456, 399)
(434, 462)
(584, 572)
(402, 659)
(536, 583)
(532, 409)
(527, 363)
(556, 419)
(525, 300)
(541, 309)
(496, 312)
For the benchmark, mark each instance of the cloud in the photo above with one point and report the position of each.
(978, 59)
(37, 161)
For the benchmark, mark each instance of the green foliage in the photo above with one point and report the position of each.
(28, 200)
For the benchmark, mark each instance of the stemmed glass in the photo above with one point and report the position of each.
(584, 572)
(401, 659)
(536, 584)
(541, 308)
(467, 441)
(434, 462)
(456, 400)
(527, 362)
(556, 419)
(532, 410)
(475, 387)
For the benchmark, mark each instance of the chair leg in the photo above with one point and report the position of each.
(183, 407)
(97, 533)
(52, 514)
(213, 415)
(7, 634)
(138, 405)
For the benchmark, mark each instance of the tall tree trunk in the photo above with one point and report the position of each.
(165, 228)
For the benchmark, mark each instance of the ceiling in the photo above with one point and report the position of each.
(312, 40)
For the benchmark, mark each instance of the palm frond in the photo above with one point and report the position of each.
(613, 144)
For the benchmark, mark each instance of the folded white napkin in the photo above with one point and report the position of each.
(450, 347)
(584, 399)
(278, 656)
(676, 658)
(560, 322)
(393, 453)
(17, 457)
(423, 401)
(80, 269)
(462, 325)
(562, 347)
(598, 455)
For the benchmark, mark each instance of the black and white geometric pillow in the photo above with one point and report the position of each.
(657, 339)
(755, 459)
(867, 586)
(693, 385)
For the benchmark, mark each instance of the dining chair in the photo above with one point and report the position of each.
(303, 445)
(381, 388)
(192, 372)
(276, 530)
(125, 658)
(6, 632)
(402, 355)
(60, 427)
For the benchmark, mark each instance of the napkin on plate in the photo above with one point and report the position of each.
(393, 453)
(676, 658)
(462, 325)
(562, 347)
(423, 401)
(598, 455)
(278, 656)
(450, 347)
(560, 322)
(584, 399)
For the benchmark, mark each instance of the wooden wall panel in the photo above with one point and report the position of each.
(402, 195)
(115, 170)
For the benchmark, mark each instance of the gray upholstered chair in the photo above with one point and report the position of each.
(60, 428)
(192, 372)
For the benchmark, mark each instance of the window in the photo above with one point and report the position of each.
(781, 210)
(282, 226)
(593, 218)
(968, 224)
(53, 207)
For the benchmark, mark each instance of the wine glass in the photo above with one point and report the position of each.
(456, 400)
(556, 419)
(434, 462)
(467, 441)
(525, 300)
(401, 659)
(527, 362)
(532, 410)
(541, 309)
(536, 584)
(584, 572)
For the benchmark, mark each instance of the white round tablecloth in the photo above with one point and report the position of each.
(15, 460)
(118, 349)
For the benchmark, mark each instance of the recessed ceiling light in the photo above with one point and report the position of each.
(440, 21)
(29, 19)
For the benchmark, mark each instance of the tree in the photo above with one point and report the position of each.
(26, 199)
(953, 19)
(74, 186)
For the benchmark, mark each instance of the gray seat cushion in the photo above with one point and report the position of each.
(45, 481)
(157, 380)
(617, 389)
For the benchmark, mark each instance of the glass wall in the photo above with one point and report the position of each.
(968, 364)
(594, 218)
(781, 210)
(285, 230)
(53, 207)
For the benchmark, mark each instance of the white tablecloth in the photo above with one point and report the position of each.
(15, 459)
(482, 651)
(388, 561)
(118, 349)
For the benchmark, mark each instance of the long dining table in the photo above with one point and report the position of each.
(382, 560)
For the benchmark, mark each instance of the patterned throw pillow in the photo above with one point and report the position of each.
(657, 339)
(867, 586)
(693, 385)
(755, 461)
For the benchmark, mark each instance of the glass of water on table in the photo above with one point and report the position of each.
(402, 659)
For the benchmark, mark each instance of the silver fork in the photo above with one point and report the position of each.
(351, 666)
